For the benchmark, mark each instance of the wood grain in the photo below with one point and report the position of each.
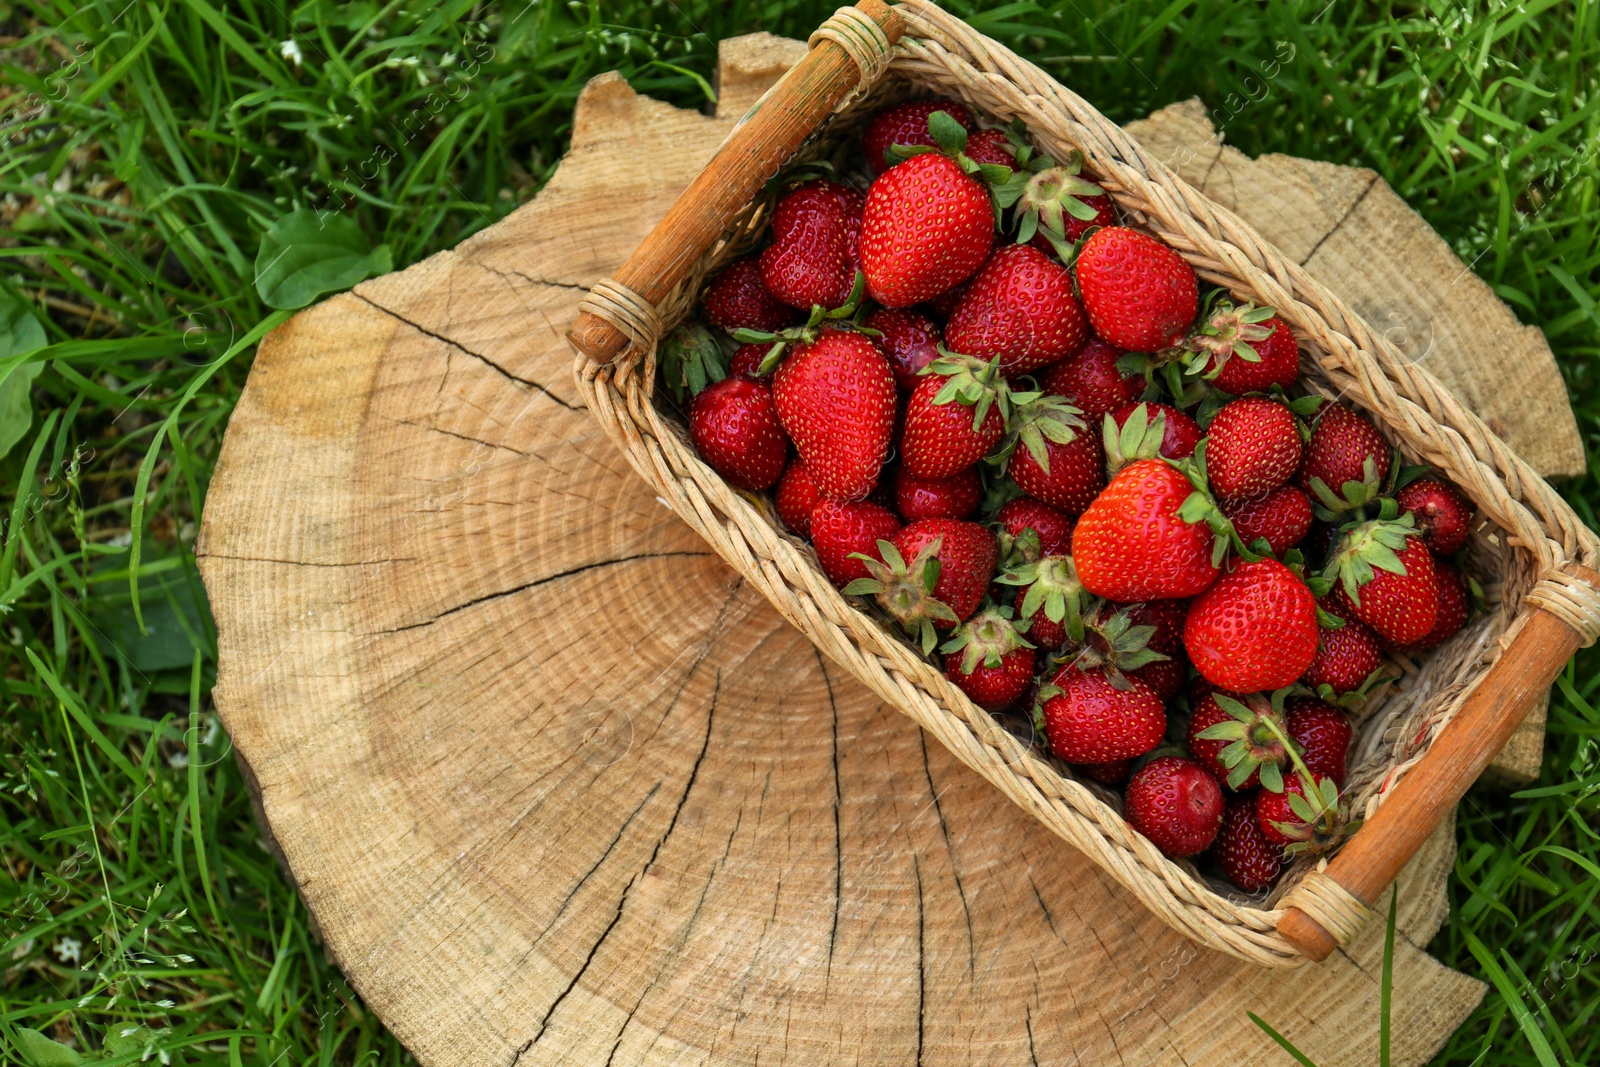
(558, 789)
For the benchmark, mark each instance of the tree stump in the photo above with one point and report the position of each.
(557, 787)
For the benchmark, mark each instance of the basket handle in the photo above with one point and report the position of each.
(844, 51)
(1342, 895)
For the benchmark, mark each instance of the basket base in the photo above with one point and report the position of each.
(555, 786)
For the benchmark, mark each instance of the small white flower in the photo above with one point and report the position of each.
(69, 950)
(290, 50)
(449, 60)
(165, 1004)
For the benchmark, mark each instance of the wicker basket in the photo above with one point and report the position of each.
(1531, 552)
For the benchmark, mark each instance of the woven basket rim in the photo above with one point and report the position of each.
(1405, 399)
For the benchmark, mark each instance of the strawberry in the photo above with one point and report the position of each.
(736, 299)
(816, 238)
(1323, 734)
(840, 531)
(1254, 630)
(1165, 617)
(1293, 820)
(1455, 605)
(1059, 461)
(1246, 857)
(1443, 516)
(1181, 434)
(735, 428)
(944, 305)
(1240, 739)
(955, 497)
(989, 660)
(991, 146)
(1140, 295)
(1049, 599)
(746, 362)
(954, 416)
(1019, 309)
(932, 575)
(906, 124)
(1252, 447)
(1177, 804)
(1091, 380)
(1346, 456)
(928, 225)
(835, 397)
(1089, 720)
(1052, 525)
(1244, 349)
(1131, 544)
(1281, 518)
(1385, 575)
(796, 497)
(909, 340)
(1346, 655)
(1113, 773)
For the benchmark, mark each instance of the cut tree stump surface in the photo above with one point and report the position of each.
(558, 787)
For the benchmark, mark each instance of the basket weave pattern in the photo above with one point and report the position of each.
(1530, 532)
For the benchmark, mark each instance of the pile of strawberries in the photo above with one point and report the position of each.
(1091, 492)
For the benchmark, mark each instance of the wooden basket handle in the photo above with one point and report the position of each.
(763, 141)
(1371, 860)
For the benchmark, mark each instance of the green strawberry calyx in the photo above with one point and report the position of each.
(973, 383)
(1053, 586)
(1200, 506)
(985, 638)
(1114, 644)
(1321, 813)
(1368, 547)
(905, 591)
(1044, 192)
(691, 359)
(1256, 738)
(1225, 330)
(1357, 497)
(1139, 437)
(1039, 417)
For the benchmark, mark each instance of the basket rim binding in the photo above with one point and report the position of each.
(1224, 251)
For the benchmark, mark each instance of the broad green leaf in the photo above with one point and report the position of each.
(20, 333)
(40, 1051)
(306, 254)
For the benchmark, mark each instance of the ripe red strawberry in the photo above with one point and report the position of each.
(837, 530)
(1455, 605)
(1344, 448)
(1255, 630)
(1132, 545)
(1280, 824)
(836, 399)
(816, 239)
(991, 146)
(1140, 295)
(1053, 525)
(989, 661)
(1177, 804)
(910, 342)
(952, 420)
(1323, 733)
(1385, 575)
(1246, 857)
(1114, 773)
(966, 558)
(1089, 720)
(1253, 447)
(955, 497)
(932, 576)
(1244, 349)
(1283, 517)
(735, 428)
(906, 124)
(1346, 657)
(1090, 378)
(1238, 737)
(1019, 309)
(796, 497)
(1443, 515)
(1182, 433)
(747, 360)
(736, 299)
(1075, 477)
(1165, 676)
(927, 226)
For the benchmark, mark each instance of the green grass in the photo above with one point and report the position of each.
(149, 144)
